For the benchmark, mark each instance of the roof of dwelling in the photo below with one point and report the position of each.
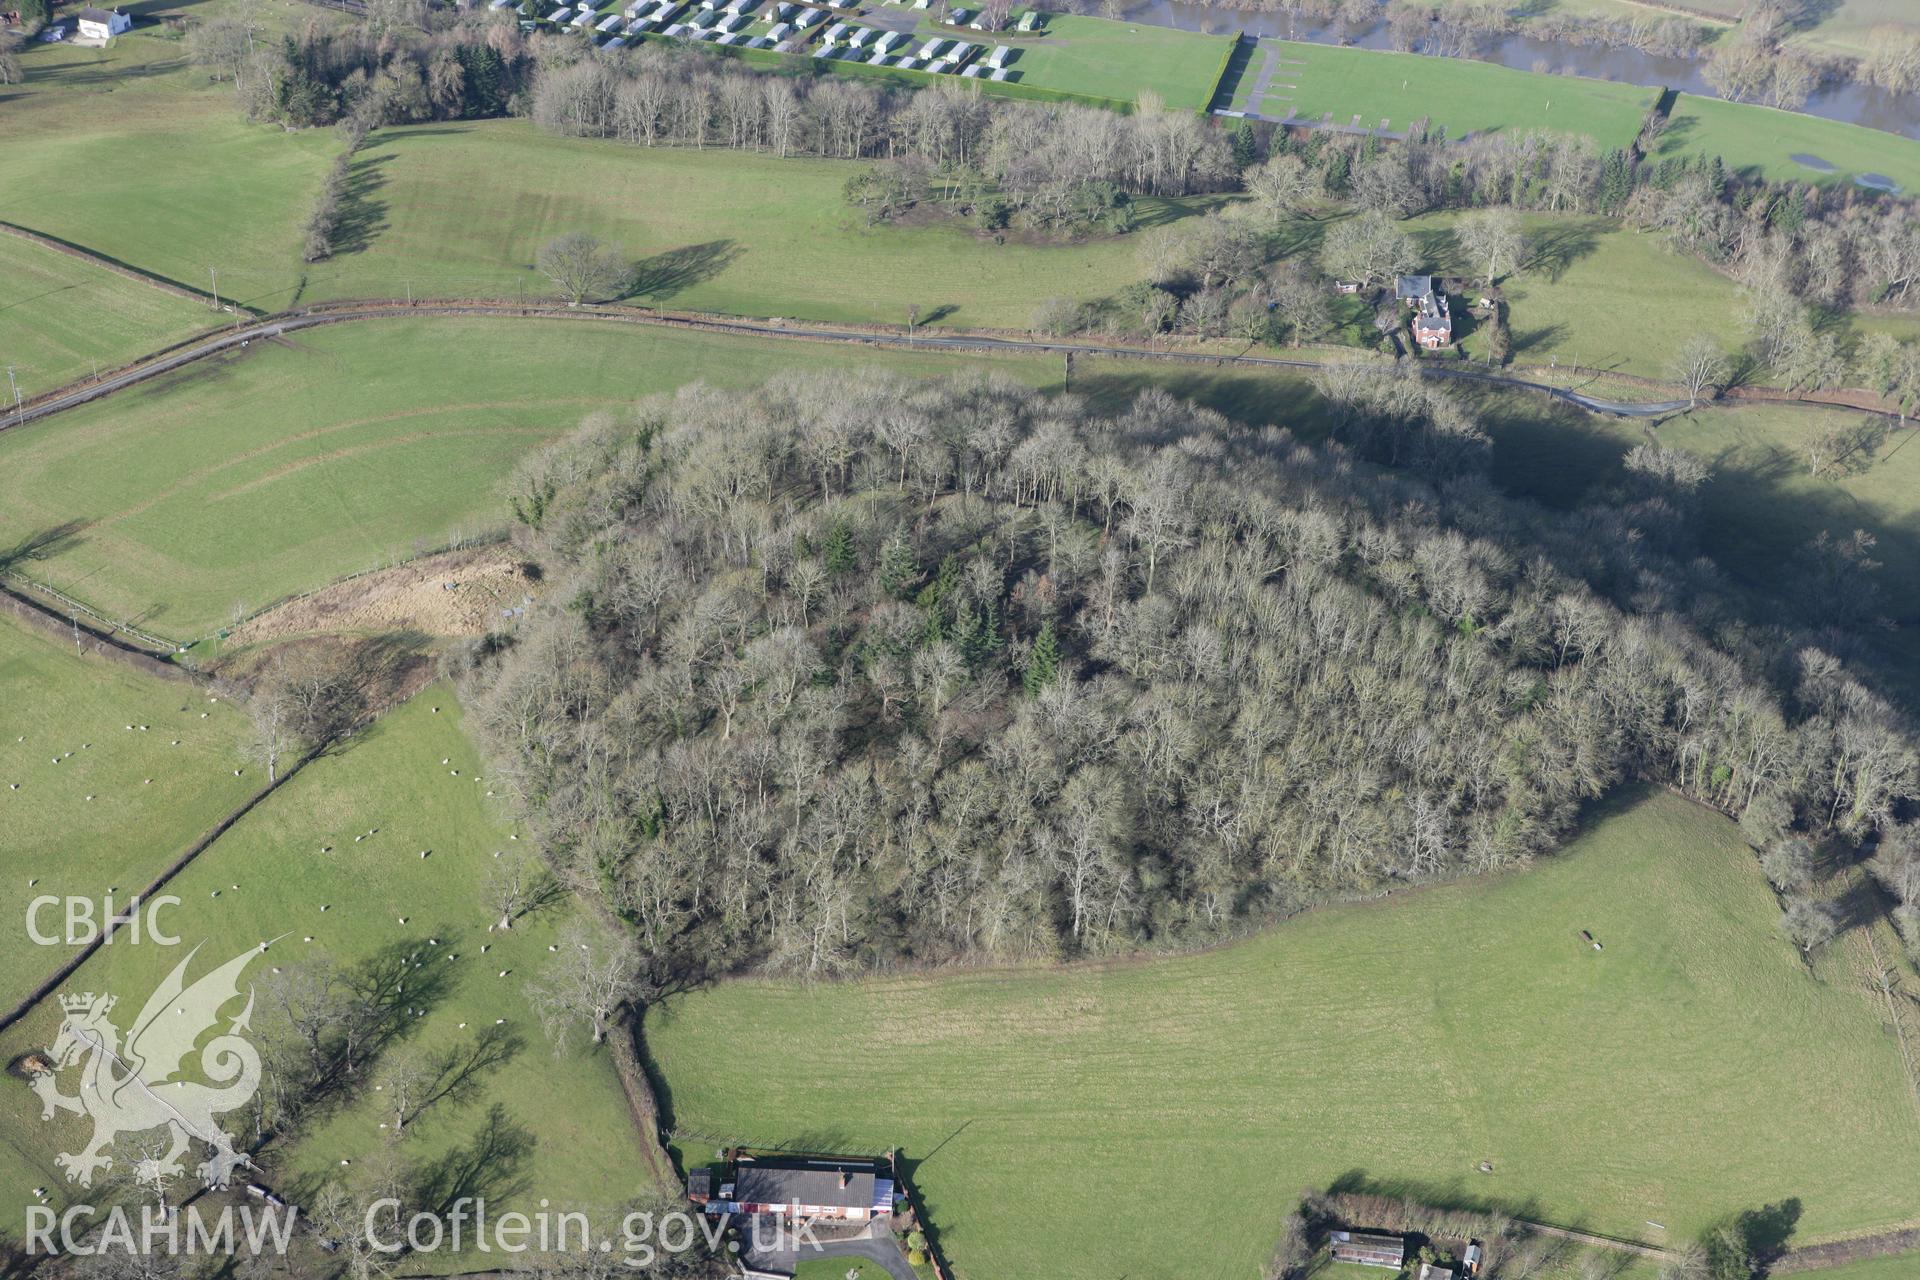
(761, 1184)
(91, 14)
(1436, 1271)
(1414, 286)
(1371, 1240)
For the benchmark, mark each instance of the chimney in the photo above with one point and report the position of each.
(845, 1178)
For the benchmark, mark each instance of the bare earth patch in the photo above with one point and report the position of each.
(458, 593)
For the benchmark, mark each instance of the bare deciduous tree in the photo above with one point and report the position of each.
(592, 976)
(582, 266)
(1700, 367)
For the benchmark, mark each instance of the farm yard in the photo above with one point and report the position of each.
(1400, 1042)
(106, 775)
(565, 1127)
(1365, 89)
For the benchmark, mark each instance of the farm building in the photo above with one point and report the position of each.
(1368, 1248)
(1432, 321)
(101, 24)
(847, 1190)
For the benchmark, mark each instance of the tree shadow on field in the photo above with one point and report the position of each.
(677, 270)
(1552, 251)
(362, 215)
(1453, 1194)
(43, 544)
(1439, 248)
(492, 1166)
(1766, 1230)
(1674, 137)
(1161, 213)
(1525, 340)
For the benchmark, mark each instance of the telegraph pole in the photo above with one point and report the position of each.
(215, 273)
(16, 391)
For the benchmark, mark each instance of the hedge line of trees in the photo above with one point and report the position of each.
(660, 96)
(852, 671)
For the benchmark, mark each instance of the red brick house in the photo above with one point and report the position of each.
(1432, 320)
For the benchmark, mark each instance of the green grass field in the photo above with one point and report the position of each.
(55, 703)
(465, 208)
(1900, 1267)
(1583, 271)
(60, 316)
(1845, 26)
(1311, 81)
(272, 881)
(1116, 61)
(1402, 1041)
(1751, 138)
(132, 154)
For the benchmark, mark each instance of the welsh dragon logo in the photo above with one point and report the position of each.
(141, 1085)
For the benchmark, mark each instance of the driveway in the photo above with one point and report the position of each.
(876, 1244)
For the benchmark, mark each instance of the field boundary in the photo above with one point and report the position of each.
(35, 614)
(180, 863)
(83, 254)
(28, 590)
